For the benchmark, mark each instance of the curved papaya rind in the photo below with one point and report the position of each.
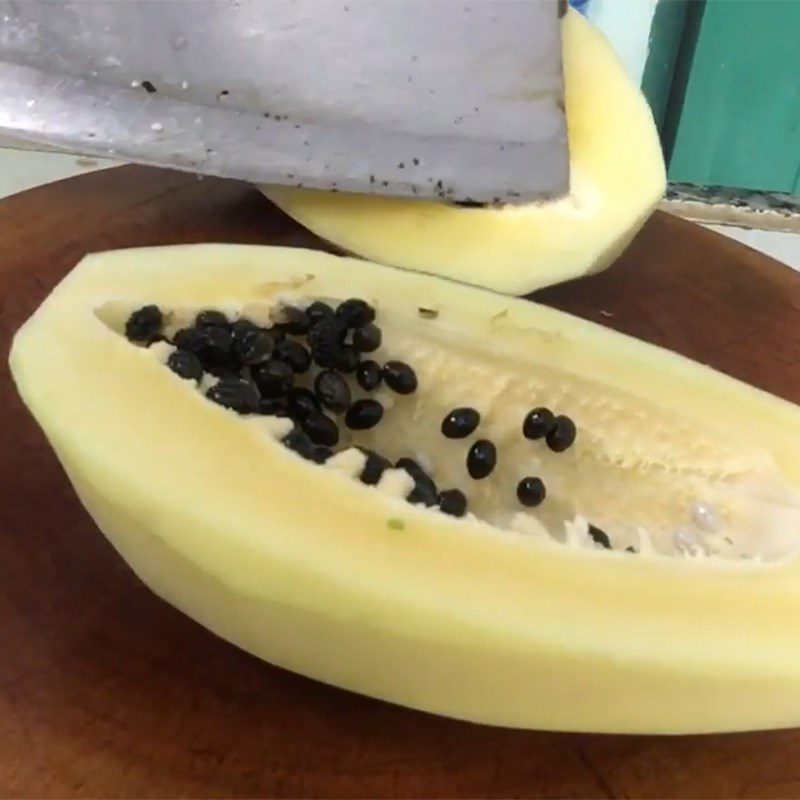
(616, 175)
(449, 616)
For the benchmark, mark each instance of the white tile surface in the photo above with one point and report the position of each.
(782, 246)
(24, 169)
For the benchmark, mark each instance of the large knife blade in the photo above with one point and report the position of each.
(455, 99)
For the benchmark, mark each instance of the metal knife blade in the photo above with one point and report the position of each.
(460, 100)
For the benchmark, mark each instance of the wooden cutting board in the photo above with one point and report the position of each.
(105, 691)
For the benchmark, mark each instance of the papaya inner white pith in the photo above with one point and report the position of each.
(650, 479)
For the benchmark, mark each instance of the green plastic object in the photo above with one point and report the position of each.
(739, 123)
(664, 47)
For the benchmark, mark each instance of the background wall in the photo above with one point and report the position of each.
(738, 120)
(627, 24)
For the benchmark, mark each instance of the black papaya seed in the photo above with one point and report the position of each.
(274, 407)
(399, 377)
(328, 331)
(209, 318)
(481, 459)
(453, 502)
(355, 313)
(321, 429)
(332, 390)
(531, 491)
(254, 347)
(537, 423)
(599, 536)
(318, 310)
(293, 354)
(144, 324)
(295, 321)
(363, 415)
(561, 435)
(236, 394)
(277, 333)
(273, 378)
(460, 423)
(325, 341)
(241, 329)
(191, 339)
(347, 358)
(218, 347)
(367, 338)
(301, 402)
(320, 454)
(374, 467)
(298, 441)
(185, 364)
(424, 490)
(326, 357)
(368, 375)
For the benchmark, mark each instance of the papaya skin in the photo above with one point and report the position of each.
(617, 176)
(448, 616)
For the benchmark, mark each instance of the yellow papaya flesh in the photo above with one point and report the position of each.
(508, 616)
(616, 176)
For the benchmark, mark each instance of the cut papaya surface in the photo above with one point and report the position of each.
(616, 175)
(654, 588)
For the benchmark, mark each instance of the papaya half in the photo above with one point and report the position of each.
(530, 521)
(617, 176)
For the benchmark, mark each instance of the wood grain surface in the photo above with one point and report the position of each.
(105, 691)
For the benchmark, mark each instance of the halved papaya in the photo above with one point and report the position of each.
(648, 582)
(616, 176)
